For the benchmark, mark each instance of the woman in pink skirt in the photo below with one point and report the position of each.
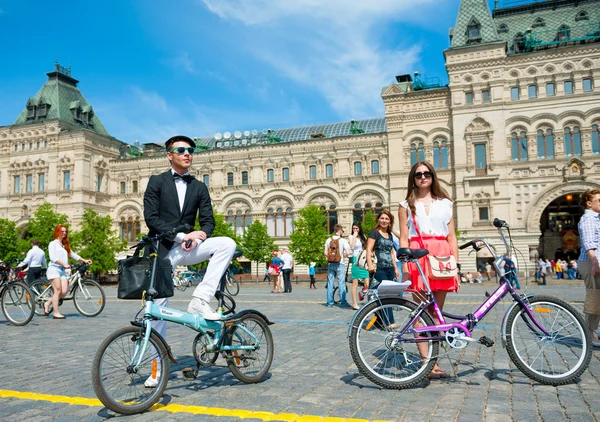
(430, 205)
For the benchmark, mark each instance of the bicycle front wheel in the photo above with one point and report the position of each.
(250, 366)
(89, 298)
(118, 385)
(232, 285)
(380, 355)
(180, 283)
(42, 292)
(17, 303)
(557, 358)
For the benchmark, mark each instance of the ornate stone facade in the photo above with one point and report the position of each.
(489, 133)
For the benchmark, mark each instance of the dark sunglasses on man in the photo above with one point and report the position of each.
(182, 150)
(420, 174)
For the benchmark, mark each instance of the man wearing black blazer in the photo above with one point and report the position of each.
(174, 198)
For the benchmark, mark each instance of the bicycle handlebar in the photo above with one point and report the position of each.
(160, 236)
(499, 224)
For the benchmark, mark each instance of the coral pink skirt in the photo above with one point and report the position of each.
(436, 245)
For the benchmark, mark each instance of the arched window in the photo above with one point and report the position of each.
(539, 22)
(545, 143)
(519, 43)
(358, 214)
(229, 179)
(285, 174)
(375, 167)
(595, 140)
(244, 178)
(130, 228)
(440, 154)
(473, 32)
(563, 33)
(417, 152)
(572, 141)
(329, 171)
(503, 29)
(280, 222)
(581, 16)
(332, 217)
(357, 168)
(519, 146)
(270, 176)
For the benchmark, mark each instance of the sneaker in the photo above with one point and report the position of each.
(152, 382)
(202, 308)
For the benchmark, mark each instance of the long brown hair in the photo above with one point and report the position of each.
(436, 189)
(361, 234)
(65, 241)
(391, 217)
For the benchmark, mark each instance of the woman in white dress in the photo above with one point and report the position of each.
(357, 241)
(60, 251)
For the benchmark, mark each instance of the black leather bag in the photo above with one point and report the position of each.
(134, 277)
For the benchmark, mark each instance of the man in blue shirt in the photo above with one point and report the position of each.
(589, 268)
(510, 269)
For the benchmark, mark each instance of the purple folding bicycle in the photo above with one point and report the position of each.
(545, 337)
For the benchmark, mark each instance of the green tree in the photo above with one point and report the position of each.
(43, 222)
(309, 236)
(97, 241)
(257, 244)
(369, 222)
(9, 240)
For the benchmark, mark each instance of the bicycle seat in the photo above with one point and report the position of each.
(238, 252)
(404, 253)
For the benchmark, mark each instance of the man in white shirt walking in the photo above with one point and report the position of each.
(35, 260)
(336, 250)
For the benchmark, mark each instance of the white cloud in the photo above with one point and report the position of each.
(182, 61)
(332, 47)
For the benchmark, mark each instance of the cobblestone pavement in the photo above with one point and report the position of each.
(312, 376)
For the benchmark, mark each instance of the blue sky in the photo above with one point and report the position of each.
(156, 68)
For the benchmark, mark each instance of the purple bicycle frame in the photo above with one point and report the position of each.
(478, 315)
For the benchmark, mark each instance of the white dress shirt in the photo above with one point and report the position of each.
(58, 253)
(35, 258)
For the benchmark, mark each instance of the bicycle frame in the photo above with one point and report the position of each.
(193, 321)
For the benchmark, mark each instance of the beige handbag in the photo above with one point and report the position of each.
(440, 267)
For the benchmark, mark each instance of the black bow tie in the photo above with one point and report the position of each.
(186, 177)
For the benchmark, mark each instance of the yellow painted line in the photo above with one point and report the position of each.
(179, 408)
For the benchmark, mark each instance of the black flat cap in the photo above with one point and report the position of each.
(181, 138)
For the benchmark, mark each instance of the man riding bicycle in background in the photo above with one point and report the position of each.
(174, 198)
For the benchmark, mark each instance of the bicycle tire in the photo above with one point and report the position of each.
(38, 288)
(373, 323)
(240, 362)
(180, 283)
(84, 295)
(18, 305)
(336, 296)
(575, 341)
(106, 379)
(234, 289)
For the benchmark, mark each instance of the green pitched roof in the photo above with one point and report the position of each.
(544, 18)
(474, 12)
(60, 99)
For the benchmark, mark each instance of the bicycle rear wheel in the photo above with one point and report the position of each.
(250, 366)
(17, 303)
(116, 384)
(555, 359)
(377, 352)
(232, 285)
(41, 295)
(89, 299)
(180, 283)
(336, 295)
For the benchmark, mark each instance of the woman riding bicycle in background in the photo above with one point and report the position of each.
(432, 206)
(60, 251)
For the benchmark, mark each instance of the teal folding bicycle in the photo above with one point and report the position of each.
(132, 354)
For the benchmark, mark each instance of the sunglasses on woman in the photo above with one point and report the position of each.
(182, 150)
(420, 174)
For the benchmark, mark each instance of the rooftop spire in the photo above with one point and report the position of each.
(474, 25)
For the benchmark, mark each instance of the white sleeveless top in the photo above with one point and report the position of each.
(434, 224)
(358, 246)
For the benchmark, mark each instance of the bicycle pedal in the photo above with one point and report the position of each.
(189, 374)
(486, 341)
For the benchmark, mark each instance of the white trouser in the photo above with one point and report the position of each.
(219, 250)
